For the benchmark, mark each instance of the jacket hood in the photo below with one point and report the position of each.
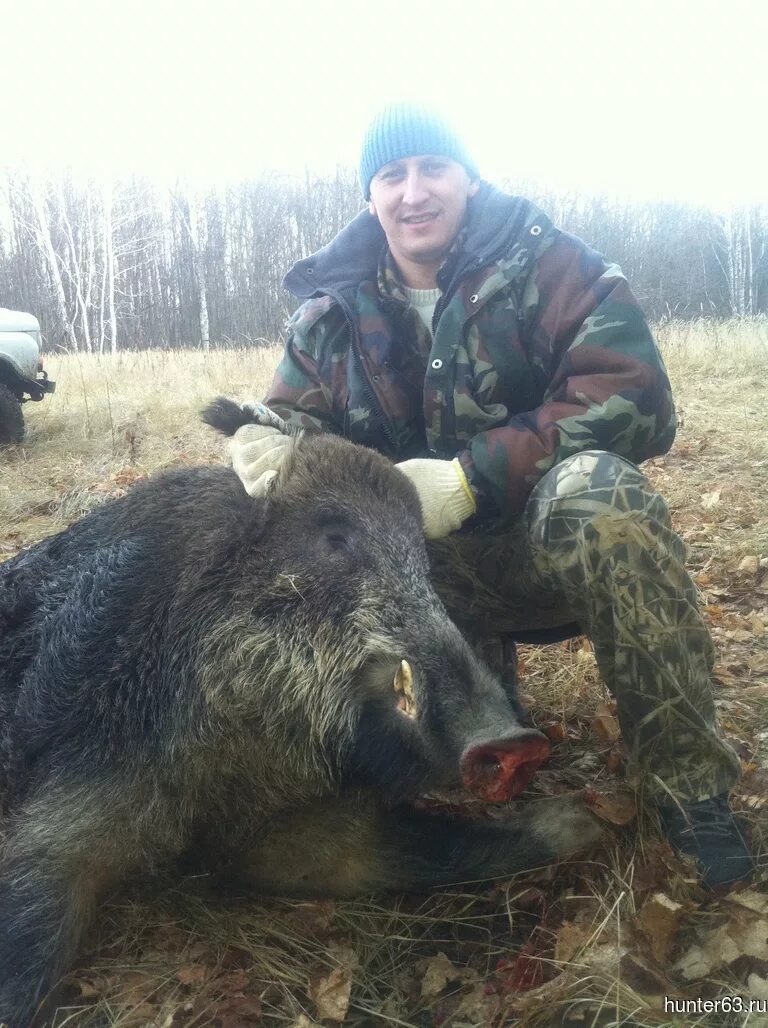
(495, 221)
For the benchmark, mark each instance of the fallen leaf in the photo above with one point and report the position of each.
(135, 987)
(749, 565)
(645, 980)
(571, 937)
(659, 919)
(330, 993)
(605, 725)
(535, 1000)
(478, 1007)
(757, 625)
(754, 901)
(585, 655)
(316, 915)
(523, 972)
(741, 635)
(233, 981)
(659, 863)
(192, 974)
(199, 949)
(438, 971)
(555, 732)
(234, 1010)
(606, 958)
(744, 935)
(758, 987)
(714, 611)
(613, 761)
(618, 808)
(724, 676)
(88, 990)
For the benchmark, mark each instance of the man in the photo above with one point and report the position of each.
(509, 371)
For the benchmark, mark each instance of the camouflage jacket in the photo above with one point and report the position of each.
(539, 351)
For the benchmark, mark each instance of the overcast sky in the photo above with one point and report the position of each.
(642, 100)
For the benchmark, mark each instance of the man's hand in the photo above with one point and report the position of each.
(257, 452)
(444, 493)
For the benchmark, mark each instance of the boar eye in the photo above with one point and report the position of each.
(336, 535)
(337, 541)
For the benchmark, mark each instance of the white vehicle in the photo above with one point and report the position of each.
(21, 371)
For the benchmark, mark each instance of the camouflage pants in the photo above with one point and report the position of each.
(595, 545)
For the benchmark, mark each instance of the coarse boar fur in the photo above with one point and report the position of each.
(267, 680)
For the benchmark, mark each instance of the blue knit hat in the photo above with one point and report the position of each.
(408, 130)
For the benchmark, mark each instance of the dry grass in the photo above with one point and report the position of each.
(134, 413)
(715, 347)
(552, 948)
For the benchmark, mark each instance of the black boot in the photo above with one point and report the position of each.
(709, 831)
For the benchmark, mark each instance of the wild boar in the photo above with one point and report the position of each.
(275, 677)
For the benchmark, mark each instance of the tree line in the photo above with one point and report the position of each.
(135, 264)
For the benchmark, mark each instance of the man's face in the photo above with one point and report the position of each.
(420, 203)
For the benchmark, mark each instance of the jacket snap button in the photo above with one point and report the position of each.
(437, 364)
(536, 230)
(474, 298)
(310, 271)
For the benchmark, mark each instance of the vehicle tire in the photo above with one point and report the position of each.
(11, 419)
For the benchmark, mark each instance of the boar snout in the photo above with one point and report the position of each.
(497, 770)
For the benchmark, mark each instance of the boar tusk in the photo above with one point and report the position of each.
(404, 680)
(404, 688)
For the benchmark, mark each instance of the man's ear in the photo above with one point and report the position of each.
(372, 209)
(474, 185)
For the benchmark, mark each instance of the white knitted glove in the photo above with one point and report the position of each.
(444, 493)
(257, 452)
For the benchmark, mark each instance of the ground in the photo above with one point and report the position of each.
(598, 942)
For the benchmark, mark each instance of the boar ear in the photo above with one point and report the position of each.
(226, 416)
(270, 483)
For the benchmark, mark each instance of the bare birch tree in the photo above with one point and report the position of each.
(76, 272)
(46, 244)
(193, 219)
(108, 312)
(740, 253)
